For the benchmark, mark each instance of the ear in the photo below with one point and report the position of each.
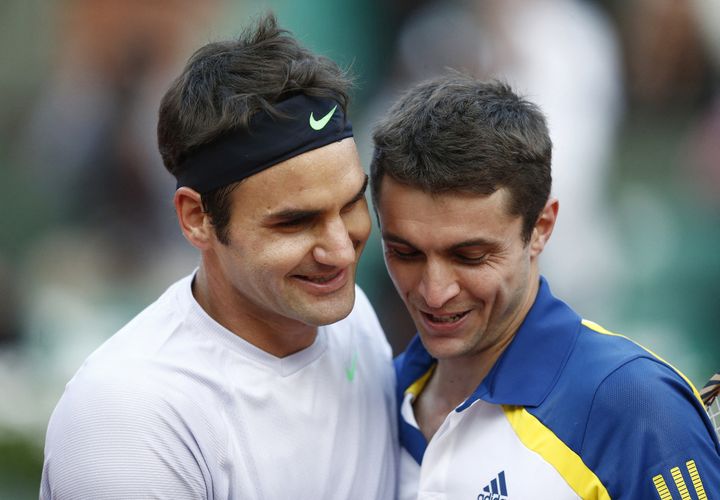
(194, 222)
(544, 227)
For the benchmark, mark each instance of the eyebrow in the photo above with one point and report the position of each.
(476, 242)
(395, 239)
(292, 214)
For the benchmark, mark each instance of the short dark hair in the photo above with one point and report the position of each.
(225, 83)
(455, 133)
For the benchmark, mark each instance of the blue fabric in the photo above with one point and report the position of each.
(410, 366)
(643, 421)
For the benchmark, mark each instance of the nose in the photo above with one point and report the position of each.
(335, 247)
(438, 285)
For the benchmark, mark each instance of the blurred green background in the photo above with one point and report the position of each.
(88, 235)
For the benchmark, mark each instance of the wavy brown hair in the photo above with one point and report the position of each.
(225, 83)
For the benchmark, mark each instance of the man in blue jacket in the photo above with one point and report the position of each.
(506, 392)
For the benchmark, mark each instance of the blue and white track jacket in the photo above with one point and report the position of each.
(569, 410)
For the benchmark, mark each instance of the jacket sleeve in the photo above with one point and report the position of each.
(648, 436)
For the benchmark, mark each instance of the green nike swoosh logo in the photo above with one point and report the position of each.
(352, 369)
(320, 124)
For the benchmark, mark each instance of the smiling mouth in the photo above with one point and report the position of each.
(326, 282)
(320, 279)
(445, 318)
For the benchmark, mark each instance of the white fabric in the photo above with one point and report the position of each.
(454, 466)
(175, 406)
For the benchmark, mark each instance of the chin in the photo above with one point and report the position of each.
(442, 347)
(323, 319)
(328, 311)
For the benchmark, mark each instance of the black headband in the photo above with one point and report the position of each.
(307, 123)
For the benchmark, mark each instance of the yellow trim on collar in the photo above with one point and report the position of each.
(594, 326)
(417, 387)
(544, 442)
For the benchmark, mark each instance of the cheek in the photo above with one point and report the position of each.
(483, 283)
(404, 277)
(508, 288)
(276, 257)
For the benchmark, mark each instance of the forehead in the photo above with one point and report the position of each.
(309, 181)
(444, 219)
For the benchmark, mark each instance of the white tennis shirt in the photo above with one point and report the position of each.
(175, 406)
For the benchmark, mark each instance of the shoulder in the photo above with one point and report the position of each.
(124, 431)
(144, 413)
(644, 389)
(133, 395)
(601, 359)
(609, 373)
(644, 422)
(630, 415)
(607, 349)
(622, 372)
(149, 330)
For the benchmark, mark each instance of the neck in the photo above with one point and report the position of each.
(278, 336)
(455, 380)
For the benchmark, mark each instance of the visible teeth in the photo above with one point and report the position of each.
(321, 279)
(446, 319)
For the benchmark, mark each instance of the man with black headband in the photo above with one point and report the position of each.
(265, 373)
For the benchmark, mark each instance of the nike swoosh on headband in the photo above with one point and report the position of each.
(269, 139)
(320, 124)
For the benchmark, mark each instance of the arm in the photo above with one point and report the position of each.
(648, 432)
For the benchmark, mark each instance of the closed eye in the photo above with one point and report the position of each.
(295, 220)
(471, 260)
(405, 253)
(475, 252)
